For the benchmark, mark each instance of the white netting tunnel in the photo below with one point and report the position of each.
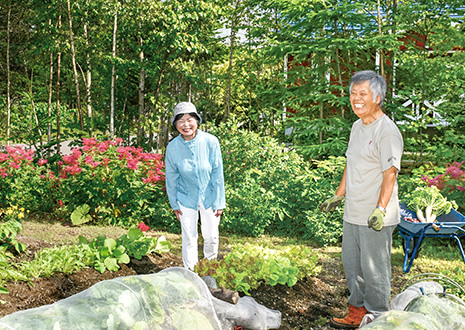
(423, 305)
(174, 298)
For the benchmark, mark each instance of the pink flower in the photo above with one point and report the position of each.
(73, 170)
(76, 153)
(67, 160)
(459, 188)
(89, 142)
(3, 157)
(89, 159)
(42, 162)
(102, 147)
(143, 227)
(132, 164)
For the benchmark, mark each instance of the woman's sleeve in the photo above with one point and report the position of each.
(171, 177)
(217, 178)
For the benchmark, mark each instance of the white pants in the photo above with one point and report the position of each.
(210, 233)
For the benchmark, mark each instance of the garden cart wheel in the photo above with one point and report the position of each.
(413, 242)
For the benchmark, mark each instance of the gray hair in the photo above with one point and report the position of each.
(377, 83)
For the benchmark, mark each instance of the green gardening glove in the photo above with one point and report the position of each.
(331, 204)
(376, 219)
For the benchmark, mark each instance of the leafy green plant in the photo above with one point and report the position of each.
(108, 252)
(428, 203)
(138, 245)
(8, 232)
(64, 259)
(450, 180)
(246, 267)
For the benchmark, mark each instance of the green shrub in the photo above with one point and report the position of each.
(24, 183)
(271, 189)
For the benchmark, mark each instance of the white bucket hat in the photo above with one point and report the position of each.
(185, 107)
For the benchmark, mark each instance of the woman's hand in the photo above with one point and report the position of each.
(178, 214)
(218, 213)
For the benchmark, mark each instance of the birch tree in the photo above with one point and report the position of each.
(73, 58)
(113, 75)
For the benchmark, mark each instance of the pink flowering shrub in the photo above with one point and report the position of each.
(121, 184)
(451, 183)
(23, 183)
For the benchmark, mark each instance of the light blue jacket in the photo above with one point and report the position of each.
(194, 172)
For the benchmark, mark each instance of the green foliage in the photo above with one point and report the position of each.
(270, 188)
(8, 232)
(102, 253)
(22, 182)
(64, 259)
(10, 226)
(108, 253)
(246, 267)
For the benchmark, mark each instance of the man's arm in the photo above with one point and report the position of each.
(341, 190)
(389, 180)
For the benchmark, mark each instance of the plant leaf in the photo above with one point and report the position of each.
(80, 215)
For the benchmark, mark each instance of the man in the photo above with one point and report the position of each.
(371, 211)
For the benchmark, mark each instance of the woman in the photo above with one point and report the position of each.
(195, 183)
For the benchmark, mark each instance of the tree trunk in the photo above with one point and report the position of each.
(73, 58)
(58, 92)
(381, 56)
(31, 96)
(140, 128)
(231, 57)
(8, 79)
(50, 85)
(113, 77)
(88, 76)
(321, 69)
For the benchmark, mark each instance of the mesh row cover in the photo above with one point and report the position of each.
(428, 310)
(174, 298)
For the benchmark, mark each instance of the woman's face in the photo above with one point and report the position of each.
(187, 126)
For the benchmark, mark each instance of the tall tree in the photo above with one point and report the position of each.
(88, 79)
(73, 58)
(113, 75)
(58, 82)
(8, 75)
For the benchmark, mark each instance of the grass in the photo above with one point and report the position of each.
(438, 255)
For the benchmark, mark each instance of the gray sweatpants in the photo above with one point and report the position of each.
(366, 257)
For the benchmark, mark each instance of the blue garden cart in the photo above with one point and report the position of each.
(447, 225)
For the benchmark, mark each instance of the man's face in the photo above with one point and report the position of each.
(361, 100)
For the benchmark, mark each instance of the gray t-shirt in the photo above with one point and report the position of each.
(372, 149)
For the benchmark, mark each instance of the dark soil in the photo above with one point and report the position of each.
(307, 305)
